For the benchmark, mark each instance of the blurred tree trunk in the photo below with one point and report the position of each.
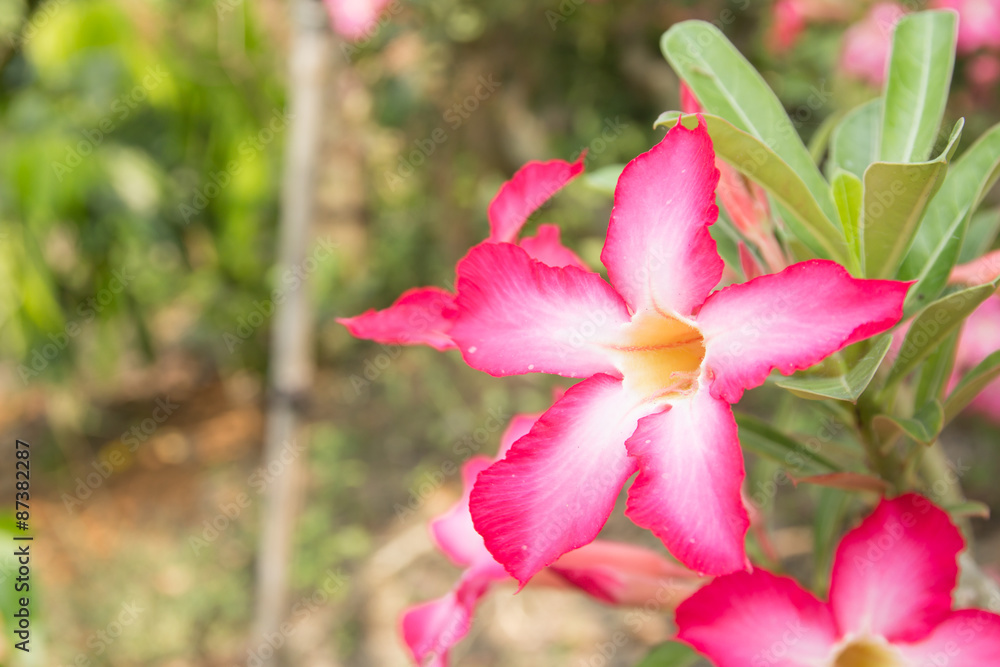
(292, 338)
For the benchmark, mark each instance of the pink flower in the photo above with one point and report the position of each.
(978, 23)
(865, 53)
(609, 571)
(980, 338)
(663, 357)
(792, 16)
(746, 204)
(424, 315)
(355, 19)
(789, 22)
(890, 604)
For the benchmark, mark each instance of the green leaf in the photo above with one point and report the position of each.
(916, 91)
(924, 426)
(847, 194)
(604, 179)
(969, 509)
(847, 387)
(728, 86)
(755, 159)
(934, 324)
(982, 232)
(854, 144)
(765, 440)
(820, 140)
(830, 511)
(846, 481)
(939, 240)
(895, 198)
(670, 654)
(971, 384)
(936, 371)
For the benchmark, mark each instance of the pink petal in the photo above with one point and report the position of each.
(790, 321)
(532, 185)
(658, 252)
(865, 53)
(556, 487)
(978, 23)
(431, 629)
(355, 19)
(548, 249)
(893, 574)
(968, 638)
(453, 532)
(421, 316)
(979, 271)
(625, 574)
(788, 25)
(517, 315)
(517, 429)
(688, 488)
(746, 620)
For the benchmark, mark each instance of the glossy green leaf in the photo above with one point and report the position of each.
(604, 179)
(847, 194)
(847, 387)
(670, 654)
(934, 324)
(916, 90)
(763, 439)
(939, 240)
(728, 86)
(971, 384)
(924, 426)
(755, 160)
(895, 198)
(854, 143)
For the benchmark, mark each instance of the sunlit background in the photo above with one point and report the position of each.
(142, 152)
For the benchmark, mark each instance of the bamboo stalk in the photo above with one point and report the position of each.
(291, 349)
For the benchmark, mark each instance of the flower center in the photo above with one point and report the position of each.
(865, 653)
(660, 356)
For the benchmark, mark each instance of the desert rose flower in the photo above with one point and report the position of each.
(663, 356)
(612, 572)
(865, 51)
(424, 315)
(890, 604)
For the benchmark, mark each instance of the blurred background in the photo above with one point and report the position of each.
(143, 147)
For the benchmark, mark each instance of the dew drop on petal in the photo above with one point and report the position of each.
(531, 367)
(472, 350)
